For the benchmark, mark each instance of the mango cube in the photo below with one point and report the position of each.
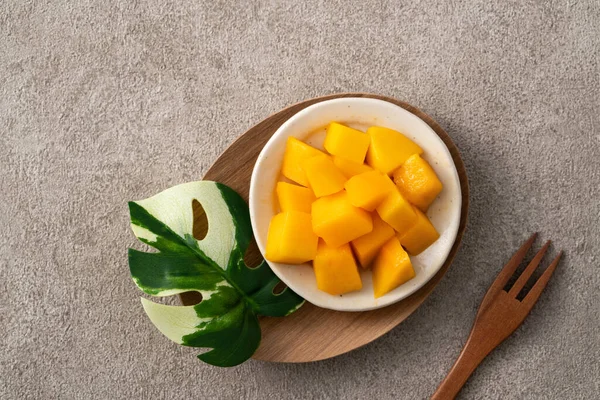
(397, 211)
(418, 182)
(323, 176)
(337, 221)
(368, 189)
(420, 236)
(291, 239)
(367, 246)
(389, 149)
(350, 168)
(336, 270)
(346, 142)
(294, 198)
(295, 152)
(392, 268)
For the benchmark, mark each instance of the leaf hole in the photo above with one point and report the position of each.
(200, 228)
(280, 287)
(252, 256)
(173, 300)
(190, 298)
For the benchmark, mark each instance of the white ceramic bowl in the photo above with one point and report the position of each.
(309, 125)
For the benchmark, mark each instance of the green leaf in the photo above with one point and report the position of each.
(233, 295)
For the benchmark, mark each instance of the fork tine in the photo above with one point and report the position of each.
(520, 283)
(535, 292)
(506, 272)
(510, 268)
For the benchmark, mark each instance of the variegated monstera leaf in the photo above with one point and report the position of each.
(232, 294)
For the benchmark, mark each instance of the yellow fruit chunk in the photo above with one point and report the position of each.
(367, 246)
(336, 270)
(392, 268)
(337, 221)
(420, 236)
(295, 152)
(368, 189)
(389, 149)
(350, 168)
(418, 182)
(294, 198)
(397, 211)
(346, 142)
(323, 176)
(290, 239)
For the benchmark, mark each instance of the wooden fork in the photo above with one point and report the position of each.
(499, 315)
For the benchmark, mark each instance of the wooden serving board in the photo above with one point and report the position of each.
(313, 333)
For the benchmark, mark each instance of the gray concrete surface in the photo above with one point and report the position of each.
(104, 102)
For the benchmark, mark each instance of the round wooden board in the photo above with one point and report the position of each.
(313, 333)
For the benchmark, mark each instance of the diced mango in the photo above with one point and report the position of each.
(295, 152)
(367, 246)
(350, 168)
(368, 189)
(389, 149)
(323, 176)
(397, 211)
(294, 198)
(337, 221)
(336, 270)
(392, 268)
(418, 182)
(420, 236)
(291, 239)
(346, 142)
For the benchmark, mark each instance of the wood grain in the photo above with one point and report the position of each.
(313, 333)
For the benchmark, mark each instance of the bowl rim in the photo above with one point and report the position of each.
(267, 148)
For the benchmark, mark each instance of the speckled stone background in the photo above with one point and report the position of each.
(103, 102)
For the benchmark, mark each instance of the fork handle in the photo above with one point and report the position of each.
(468, 360)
